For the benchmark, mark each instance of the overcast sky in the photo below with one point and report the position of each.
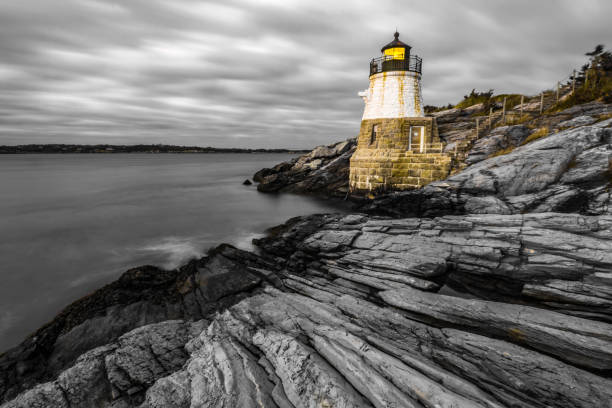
(262, 73)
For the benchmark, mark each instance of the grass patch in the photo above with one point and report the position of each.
(603, 117)
(432, 109)
(502, 151)
(537, 134)
(511, 100)
(474, 98)
(512, 120)
(517, 120)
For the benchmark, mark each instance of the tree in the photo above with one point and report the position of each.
(598, 50)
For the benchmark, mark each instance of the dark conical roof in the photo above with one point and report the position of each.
(395, 43)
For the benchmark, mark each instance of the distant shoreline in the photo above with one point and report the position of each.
(113, 149)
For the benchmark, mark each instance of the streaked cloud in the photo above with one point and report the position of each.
(254, 73)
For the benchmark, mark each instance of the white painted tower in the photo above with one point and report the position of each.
(395, 84)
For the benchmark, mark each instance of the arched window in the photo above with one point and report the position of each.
(374, 134)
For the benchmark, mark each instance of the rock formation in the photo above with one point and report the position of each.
(324, 171)
(498, 295)
(568, 171)
(361, 311)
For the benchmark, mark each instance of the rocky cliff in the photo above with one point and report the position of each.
(489, 289)
(323, 172)
(360, 311)
(568, 171)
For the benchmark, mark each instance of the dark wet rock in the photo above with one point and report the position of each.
(458, 311)
(140, 296)
(324, 171)
(247, 182)
(279, 168)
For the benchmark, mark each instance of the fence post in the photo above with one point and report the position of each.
(558, 84)
(522, 101)
(542, 103)
(574, 81)
(504, 111)
(490, 114)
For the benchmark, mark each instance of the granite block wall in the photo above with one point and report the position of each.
(389, 161)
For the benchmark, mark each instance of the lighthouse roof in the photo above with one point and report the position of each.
(395, 43)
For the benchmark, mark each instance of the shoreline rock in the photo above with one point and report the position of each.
(458, 311)
(324, 171)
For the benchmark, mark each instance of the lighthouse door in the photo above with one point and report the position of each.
(417, 139)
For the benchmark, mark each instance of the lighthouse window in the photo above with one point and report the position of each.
(395, 53)
(374, 134)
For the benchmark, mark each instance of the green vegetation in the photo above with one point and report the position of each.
(511, 100)
(516, 119)
(432, 108)
(475, 97)
(538, 134)
(488, 100)
(503, 151)
(604, 117)
(593, 82)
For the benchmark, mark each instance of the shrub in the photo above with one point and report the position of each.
(511, 100)
(593, 82)
(474, 98)
(432, 108)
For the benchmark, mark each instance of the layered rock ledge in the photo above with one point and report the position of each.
(361, 311)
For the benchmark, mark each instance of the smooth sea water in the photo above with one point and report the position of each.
(70, 223)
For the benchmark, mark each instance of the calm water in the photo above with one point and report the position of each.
(71, 223)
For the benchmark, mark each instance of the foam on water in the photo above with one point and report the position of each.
(173, 252)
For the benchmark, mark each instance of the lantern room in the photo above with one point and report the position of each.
(395, 57)
(396, 49)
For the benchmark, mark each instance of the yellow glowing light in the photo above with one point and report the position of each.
(396, 53)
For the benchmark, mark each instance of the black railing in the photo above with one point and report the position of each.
(388, 63)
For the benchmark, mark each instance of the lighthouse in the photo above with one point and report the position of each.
(395, 84)
(398, 147)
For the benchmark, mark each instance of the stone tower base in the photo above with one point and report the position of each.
(392, 155)
(373, 170)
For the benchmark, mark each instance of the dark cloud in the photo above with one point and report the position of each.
(261, 73)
